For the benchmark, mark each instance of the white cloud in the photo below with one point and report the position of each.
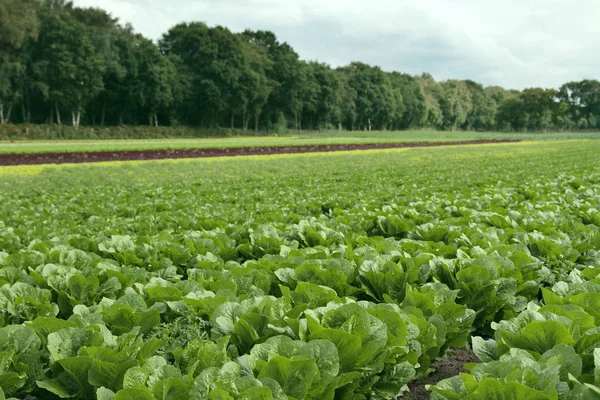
(513, 43)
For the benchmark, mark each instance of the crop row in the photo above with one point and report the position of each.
(304, 277)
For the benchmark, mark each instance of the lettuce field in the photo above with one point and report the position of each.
(339, 276)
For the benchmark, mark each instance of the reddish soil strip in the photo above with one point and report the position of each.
(445, 368)
(98, 156)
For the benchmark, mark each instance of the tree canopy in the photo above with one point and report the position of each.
(60, 60)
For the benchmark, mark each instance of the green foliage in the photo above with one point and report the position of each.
(56, 57)
(316, 284)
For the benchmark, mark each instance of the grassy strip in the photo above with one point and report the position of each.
(325, 138)
(412, 154)
(179, 144)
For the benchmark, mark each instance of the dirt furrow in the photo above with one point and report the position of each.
(99, 156)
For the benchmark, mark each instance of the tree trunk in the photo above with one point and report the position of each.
(23, 111)
(244, 125)
(296, 119)
(58, 121)
(232, 120)
(8, 113)
(51, 117)
(156, 120)
(1, 112)
(23, 101)
(120, 119)
(103, 114)
(76, 115)
(26, 109)
(256, 117)
(246, 120)
(369, 124)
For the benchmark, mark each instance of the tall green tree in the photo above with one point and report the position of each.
(348, 95)
(377, 102)
(292, 82)
(583, 102)
(105, 33)
(434, 98)
(122, 89)
(18, 23)
(483, 110)
(255, 84)
(456, 104)
(158, 83)
(539, 105)
(511, 115)
(325, 108)
(213, 60)
(66, 64)
(55, 57)
(288, 97)
(414, 108)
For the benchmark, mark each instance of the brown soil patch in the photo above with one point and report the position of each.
(98, 156)
(445, 368)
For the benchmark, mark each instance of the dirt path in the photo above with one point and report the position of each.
(86, 157)
(445, 368)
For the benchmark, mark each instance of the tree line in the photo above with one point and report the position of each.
(63, 64)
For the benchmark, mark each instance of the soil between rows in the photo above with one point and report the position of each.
(99, 156)
(446, 367)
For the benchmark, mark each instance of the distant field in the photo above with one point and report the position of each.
(64, 146)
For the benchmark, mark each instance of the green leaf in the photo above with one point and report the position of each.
(564, 356)
(277, 369)
(351, 318)
(313, 295)
(295, 375)
(539, 336)
(326, 357)
(449, 389)
(12, 381)
(58, 388)
(103, 393)
(45, 326)
(495, 390)
(170, 389)
(393, 379)
(164, 293)
(73, 380)
(373, 345)
(249, 329)
(349, 346)
(153, 370)
(597, 365)
(134, 394)
(78, 369)
(110, 375)
(587, 343)
(485, 350)
(66, 342)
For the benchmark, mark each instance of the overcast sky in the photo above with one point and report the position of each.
(512, 43)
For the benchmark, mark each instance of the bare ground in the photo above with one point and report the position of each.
(99, 156)
(445, 368)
